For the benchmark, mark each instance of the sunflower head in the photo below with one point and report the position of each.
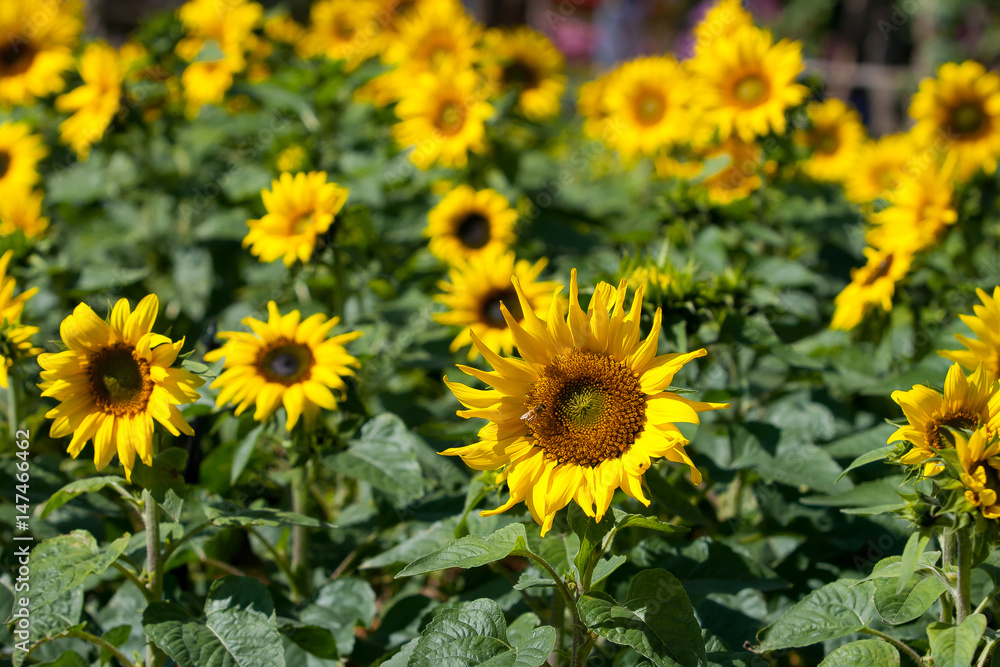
(724, 17)
(583, 411)
(95, 103)
(21, 210)
(15, 338)
(878, 167)
(20, 153)
(741, 177)
(341, 30)
(871, 285)
(984, 348)
(834, 136)
(36, 48)
(468, 224)
(525, 61)
(920, 209)
(979, 456)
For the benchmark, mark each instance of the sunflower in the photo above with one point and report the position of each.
(467, 224)
(293, 158)
(113, 381)
(722, 19)
(963, 405)
(592, 105)
(20, 153)
(228, 25)
(745, 82)
(476, 289)
(95, 103)
(980, 459)
(525, 61)
(206, 82)
(921, 208)
(872, 284)
(834, 136)
(36, 47)
(300, 208)
(647, 104)
(985, 324)
(878, 167)
(741, 177)
(281, 27)
(284, 361)
(15, 338)
(583, 411)
(21, 209)
(341, 30)
(961, 105)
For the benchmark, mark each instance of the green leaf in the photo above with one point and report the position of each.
(868, 457)
(888, 568)
(656, 619)
(915, 546)
(340, 606)
(867, 652)
(833, 611)
(312, 639)
(955, 646)
(67, 659)
(116, 637)
(471, 551)
(623, 520)
(590, 532)
(606, 567)
(228, 514)
(883, 491)
(243, 450)
(897, 607)
(166, 473)
(60, 564)
(384, 456)
(78, 488)
(432, 537)
(238, 628)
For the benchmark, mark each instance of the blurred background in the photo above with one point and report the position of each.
(872, 52)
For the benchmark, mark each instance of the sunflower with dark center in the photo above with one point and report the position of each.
(871, 285)
(35, 53)
(979, 456)
(20, 153)
(477, 291)
(341, 30)
(835, 136)
(585, 409)
(524, 61)
(284, 361)
(113, 381)
(469, 224)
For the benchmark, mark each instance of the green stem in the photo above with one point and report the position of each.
(174, 546)
(986, 600)
(12, 416)
(282, 564)
(98, 641)
(984, 657)
(154, 567)
(134, 579)
(898, 644)
(578, 627)
(964, 584)
(947, 558)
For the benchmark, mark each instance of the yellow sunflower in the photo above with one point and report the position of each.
(592, 106)
(583, 411)
(980, 459)
(525, 61)
(281, 27)
(95, 103)
(741, 177)
(964, 405)
(36, 47)
(878, 167)
(228, 25)
(745, 82)
(721, 20)
(20, 153)
(475, 290)
(871, 285)
(206, 82)
(467, 224)
(962, 107)
(21, 209)
(293, 158)
(985, 324)
(341, 30)
(920, 209)
(432, 34)
(835, 136)
(284, 361)
(443, 117)
(647, 104)
(113, 381)
(15, 338)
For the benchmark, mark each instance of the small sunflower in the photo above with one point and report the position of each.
(20, 153)
(834, 136)
(36, 47)
(929, 413)
(300, 208)
(281, 27)
(206, 82)
(878, 168)
(585, 409)
(921, 208)
(229, 25)
(113, 381)
(962, 105)
(284, 361)
(647, 103)
(95, 103)
(475, 291)
(741, 177)
(525, 61)
(467, 224)
(985, 324)
(980, 459)
(871, 285)
(341, 30)
(721, 20)
(745, 82)
(15, 338)
(21, 209)
(293, 158)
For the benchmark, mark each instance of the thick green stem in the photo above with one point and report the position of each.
(963, 589)
(12, 417)
(898, 644)
(154, 567)
(947, 558)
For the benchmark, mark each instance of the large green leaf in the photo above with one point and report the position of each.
(902, 606)
(835, 610)
(60, 564)
(955, 646)
(656, 620)
(471, 551)
(228, 514)
(867, 652)
(385, 456)
(77, 488)
(340, 606)
(238, 628)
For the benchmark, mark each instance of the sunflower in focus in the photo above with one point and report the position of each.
(36, 47)
(95, 103)
(21, 210)
(475, 291)
(341, 30)
(443, 117)
(871, 285)
(745, 82)
(929, 414)
(722, 19)
(114, 379)
(741, 177)
(834, 136)
(468, 224)
(285, 361)
(985, 324)
(980, 460)
(20, 153)
(15, 338)
(525, 61)
(878, 168)
(585, 409)
(300, 208)
(962, 105)
(647, 103)
(921, 208)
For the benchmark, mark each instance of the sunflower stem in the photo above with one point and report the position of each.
(12, 415)
(154, 567)
(947, 558)
(963, 589)
(300, 498)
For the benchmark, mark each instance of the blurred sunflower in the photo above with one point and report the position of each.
(36, 47)
(745, 82)
(871, 285)
(20, 153)
(669, 166)
(962, 107)
(835, 136)
(95, 103)
(113, 381)
(299, 209)
(878, 168)
(722, 19)
(738, 179)
(281, 27)
(985, 324)
(475, 290)
(341, 30)
(980, 460)
(205, 82)
(467, 224)
(647, 104)
(21, 209)
(293, 158)
(15, 338)
(227, 25)
(583, 411)
(444, 117)
(284, 361)
(592, 105)
(929, 414)
(525, 61)
(921, 207)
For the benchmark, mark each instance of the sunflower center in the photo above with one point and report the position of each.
(285, 362)
(343, 28)
(585, 408)
(4, 163)
(491, 313)
(827, 143)
(520, 74)
(967, 118)
(15, 57)
(302, 223)
(450, 117)
(938, 433)
(473, 231)
(650, 107)
(750, 90)
(120, 380)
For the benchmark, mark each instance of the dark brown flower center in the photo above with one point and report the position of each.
(938, 433)
(4, 163)
(450, 117)
(880, 271)
(16, 57)
(285, 362)
(967, 118)
(473, 230)
(826, 142)
(491, 313)
(120, 380)
(519, 74)
(650, 106)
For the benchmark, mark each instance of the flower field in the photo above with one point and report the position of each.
(377, 336)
